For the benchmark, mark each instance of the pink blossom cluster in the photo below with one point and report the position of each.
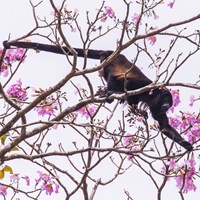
(16, 91)
(176, 99)
(3, 190)
(136, 18)
(193, 99)
(14, 178)
(171, 4)
(108, 12)
(87, 111)
(152, 39)
(12, 55)
(47, 106)
(189, 123)
(183, 174)
(47, 183)
(129, 142)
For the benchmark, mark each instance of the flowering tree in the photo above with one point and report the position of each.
(64, 141)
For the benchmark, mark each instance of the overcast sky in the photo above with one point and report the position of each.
(16, 20)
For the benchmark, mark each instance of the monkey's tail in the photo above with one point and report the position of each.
(175, 136)
(90, 53)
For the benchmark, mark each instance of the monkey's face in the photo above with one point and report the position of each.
(165, 101)
(164, 107)
(161, 101)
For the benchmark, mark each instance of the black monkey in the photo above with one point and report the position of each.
(121, 75)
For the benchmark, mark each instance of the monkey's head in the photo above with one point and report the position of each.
(161, 100)
(166, 100)
(103, 55)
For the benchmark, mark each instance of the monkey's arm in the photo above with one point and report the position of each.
(171, 133)
(94, 54)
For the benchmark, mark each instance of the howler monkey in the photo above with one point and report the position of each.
(121, 75)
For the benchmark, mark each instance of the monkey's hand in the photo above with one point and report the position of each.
(102, 92)
(174, 135)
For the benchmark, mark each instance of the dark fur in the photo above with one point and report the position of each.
(121, 75)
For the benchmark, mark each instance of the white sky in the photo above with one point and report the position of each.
(16, 19)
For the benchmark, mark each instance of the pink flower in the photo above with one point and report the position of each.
(3, 190)
(189, 123)
(57, 188)
(47, 106)
(27, 180)
(152, 39)
(129, 141)
(186, 176)
(48, 188)
(171, 4)
(109, 12)
(4, 70)
(47, 183)
(14, 178)
(13, 55)
(42, 177)
(45, 110)
(171, 166)
(136, 18)
(87, 111)
(191, 118)
(175, 121)
(176, 99)
(17, 92)
(193, 134)
(192, 100)
(187, 120)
